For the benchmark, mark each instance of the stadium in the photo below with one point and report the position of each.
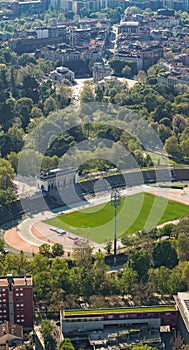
(78, 213)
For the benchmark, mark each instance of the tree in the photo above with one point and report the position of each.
(66, 345)
(108, 247)
(117, 65)
(84, 12)
(18, 265)
(36, 112)
(179, 122)
(131, 10)
(47, 333)
(7, 114)
(83, 257)
(57, 249)
(99, 93)
(163, 274)
(42, 289)
(172, 146)
(185, 273)
(99, 272)
(126, 71)
(16, 136)
(30, 88)
(39, 263)
(23, 108)
(185, 146)
(29, 162)
(164, 132)
(127, 280)
(44, 249)
(164, 255)
(2, 245)
(182, 245)
(140, 262)
(49, 105)
(6, 174)
(63, 93)
(141, 77)
(87, 94)
(176, 284)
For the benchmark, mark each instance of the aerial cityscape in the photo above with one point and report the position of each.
(94, 174)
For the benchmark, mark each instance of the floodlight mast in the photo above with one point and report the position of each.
(115, 201)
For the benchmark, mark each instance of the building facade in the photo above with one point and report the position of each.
(56, 179)
(100, 71)
(16, 300)
(89, 321)
(61, 73)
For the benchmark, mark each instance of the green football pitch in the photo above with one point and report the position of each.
(141, 211)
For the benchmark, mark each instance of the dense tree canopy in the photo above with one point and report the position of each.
(164, 254)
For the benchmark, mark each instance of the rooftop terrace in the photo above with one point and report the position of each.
(122, 310)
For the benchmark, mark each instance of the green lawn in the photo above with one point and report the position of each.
(137, 212)
(133, 309)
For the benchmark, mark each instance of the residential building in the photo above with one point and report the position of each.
(10, 334)
(30, 7)
(29, 41)
(128, 27)
(176, 4)
(16, 300)
(173, 79)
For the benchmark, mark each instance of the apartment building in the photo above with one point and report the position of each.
(16, 300)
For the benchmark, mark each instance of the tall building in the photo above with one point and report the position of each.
(176, 4)
(16, 300)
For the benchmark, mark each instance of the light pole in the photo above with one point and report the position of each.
(115, 201)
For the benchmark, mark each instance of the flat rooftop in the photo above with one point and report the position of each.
(55, 172)
(121, 310)
(182, 302)
(17, 281)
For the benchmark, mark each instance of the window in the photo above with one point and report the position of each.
(21, 294)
